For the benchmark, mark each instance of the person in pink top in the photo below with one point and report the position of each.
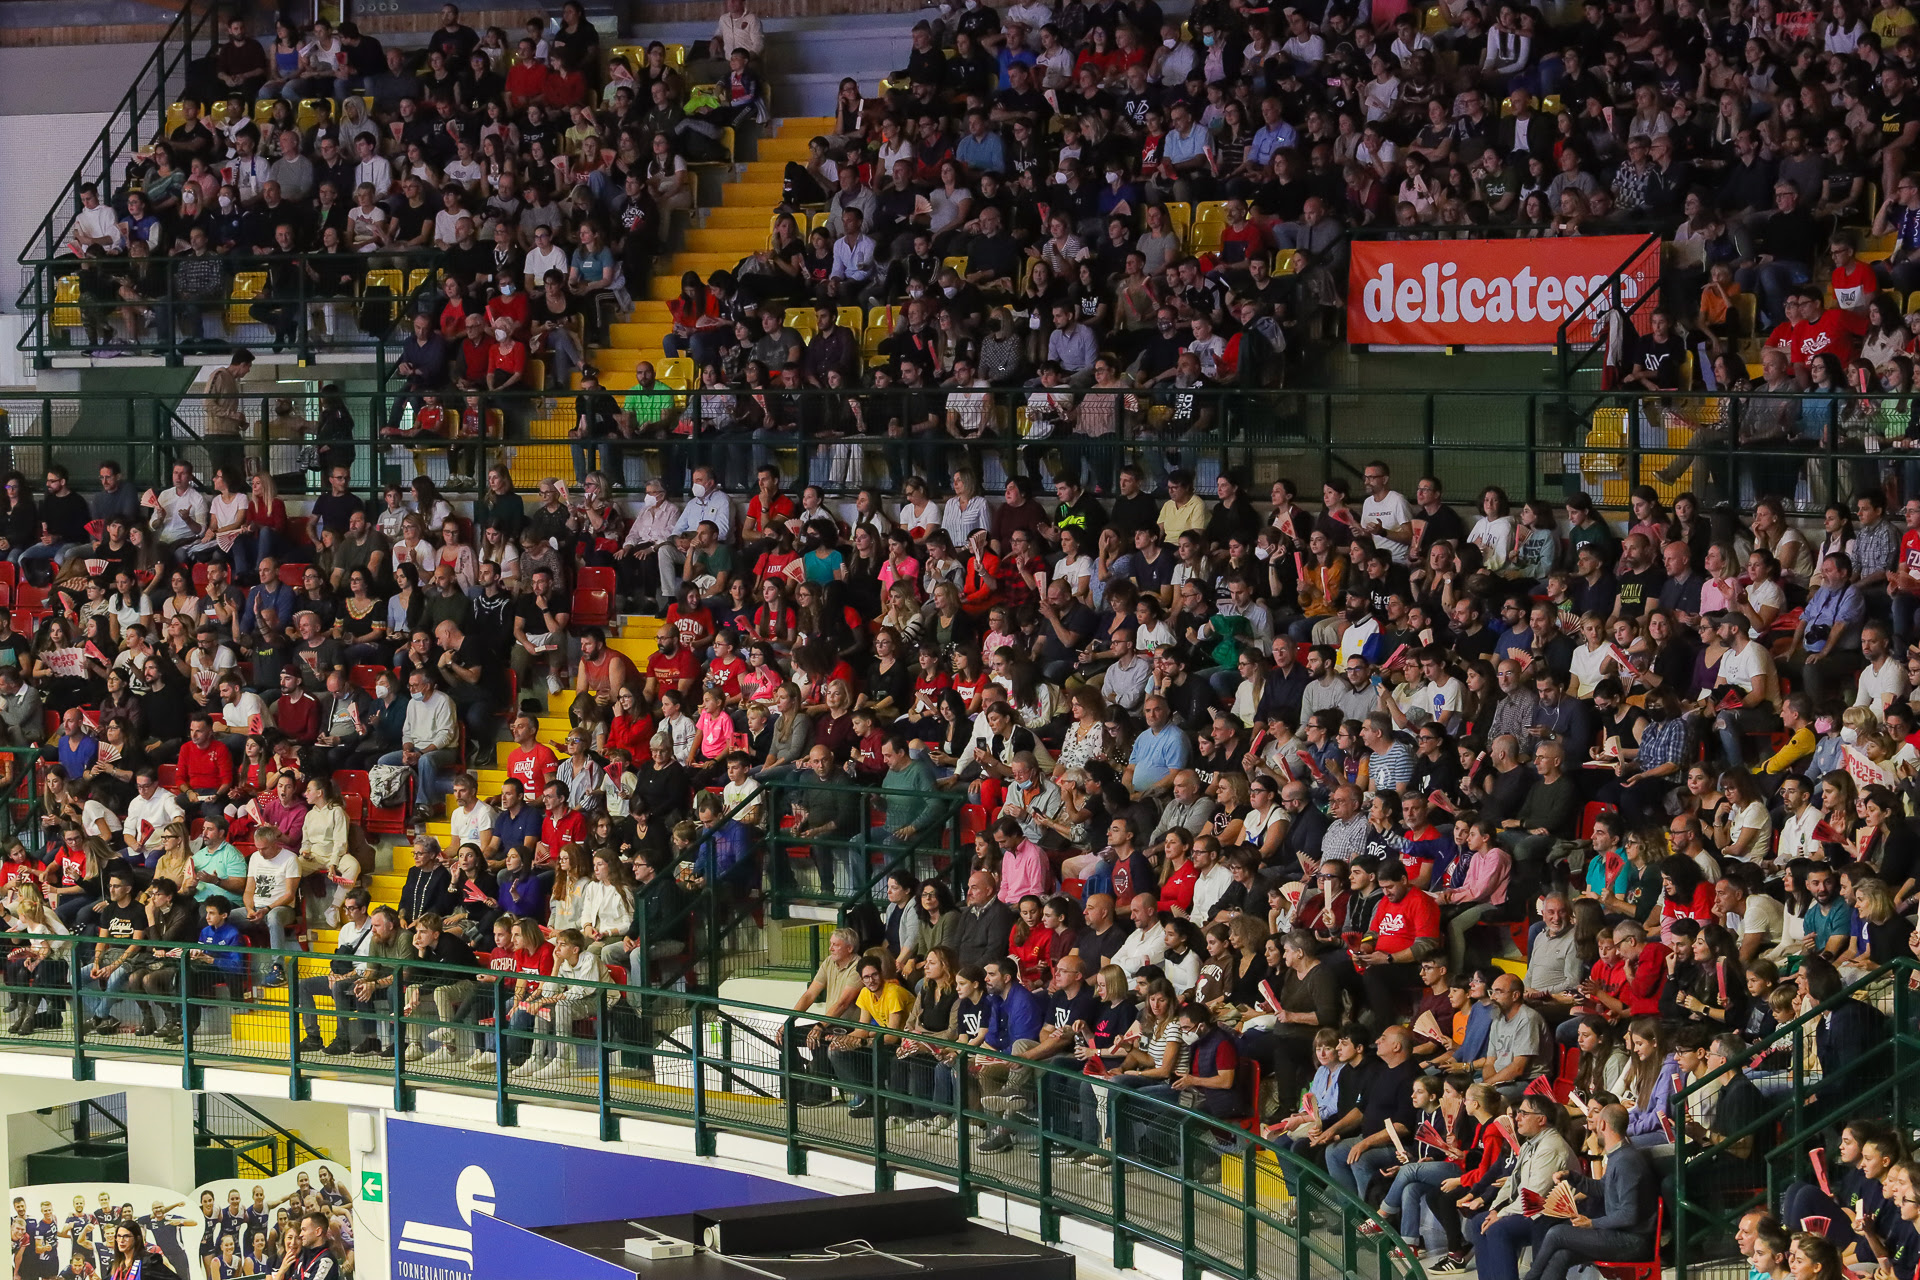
(1024, 868)
(283, 808)
(1485, 889)
(712, 731)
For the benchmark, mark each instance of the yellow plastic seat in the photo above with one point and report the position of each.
(822, 219)
(800, 320)
(635, 55)
(882, 317)
(959, 264)
(314, 112)
(1550, 104)
(677, 56)
(263, 109)
(420, 277)
(1179, 218)
(384, 276)
(176, 115)
(247, 285)
(66, 297)
(677, 372)
(850, 318)
(870, 340)
(1286, 262)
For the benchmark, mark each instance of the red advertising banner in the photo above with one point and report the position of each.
(1486, 292)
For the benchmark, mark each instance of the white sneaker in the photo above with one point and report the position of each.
(553, 683)
(441, 1036)
(527, 1067)
(480, 1058)
(414, 1052)
(553, 1069)
(444, 1056)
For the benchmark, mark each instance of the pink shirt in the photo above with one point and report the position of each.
(714, 732)
(1025, 870)
(1487, 878)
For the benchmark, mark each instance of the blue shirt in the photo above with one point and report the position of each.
(1271, 138)
(726, 854)
(1156, 753)
(1008, 57)
(1179, 150)
(278, 597)
(1014, 1017)
(982, 155)
(591, 266)
(224, 936)
(77, 760)
(1835, 920)
(512, 832)
(1827, 607)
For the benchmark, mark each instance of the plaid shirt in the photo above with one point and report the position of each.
(1663, 743)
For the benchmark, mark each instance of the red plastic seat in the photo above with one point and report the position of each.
(596, 577)
(293, 574)
(592, 606)
(168, 775)
(366, 676)
(973, 820)
(1648, 1270)
(389, 821)
(1593, 810)
(27, 595)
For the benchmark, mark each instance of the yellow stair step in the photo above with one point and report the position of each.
(761, 195)
(738, 241)
(637, 649)
(740, 216)
(641, 335)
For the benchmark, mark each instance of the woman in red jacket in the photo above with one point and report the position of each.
(1489, 1158)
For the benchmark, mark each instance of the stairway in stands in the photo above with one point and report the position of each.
(717, 239)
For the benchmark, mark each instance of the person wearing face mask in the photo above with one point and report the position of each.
(385, 723)
(506, 359)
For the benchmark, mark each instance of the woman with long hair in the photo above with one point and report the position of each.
(39, 963)
(1649, 1082)
(929, 1021)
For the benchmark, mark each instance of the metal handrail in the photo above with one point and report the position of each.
(1801, 1117)
(1241, 1231)
(140, 114)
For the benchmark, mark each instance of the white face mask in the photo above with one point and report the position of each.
(1060, 177)
(1169, 43)
(226, 204)
(419, 697)
(699, 491)
(1262, 553)
(951, 290)
(651, 500)
(1849, 735)
(506, 291)
(1113, 175)
(1189, 1037)
(384, 692)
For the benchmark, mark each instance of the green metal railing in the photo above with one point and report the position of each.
(1714, 1186)
(135, 122)
(727, 938)
(1542, 444)
(263, 1150)
(1221, 1199)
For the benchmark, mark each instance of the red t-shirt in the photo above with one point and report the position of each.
(1910, 555)
(757, 511)
(1851, 289)
(1178, 890)
(671, 669)
(511, 361)
(1398, 925)
(635, 733)
(725, 676)
(533, 766)
(691, 626)
(1836, 331)
(568, 828)
(527, 79)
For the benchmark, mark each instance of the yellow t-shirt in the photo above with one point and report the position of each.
(893, 998)
(1891, 24)
(1177, 518)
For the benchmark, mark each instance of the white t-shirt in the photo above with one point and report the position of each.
(1882, 688)
(238, 715)
(1391, 512)
(470, 824)
(272, 876)
(175, 508)
(538, 263)
(1741, 668)
(1755, 815)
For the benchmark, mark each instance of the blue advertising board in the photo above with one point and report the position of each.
(440, 1179)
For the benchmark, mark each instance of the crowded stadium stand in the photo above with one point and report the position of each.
(1285, 630)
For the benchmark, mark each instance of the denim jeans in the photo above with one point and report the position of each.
(97, 1006)
(1356, 1176)
(428, 790)
(1426, 1173)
